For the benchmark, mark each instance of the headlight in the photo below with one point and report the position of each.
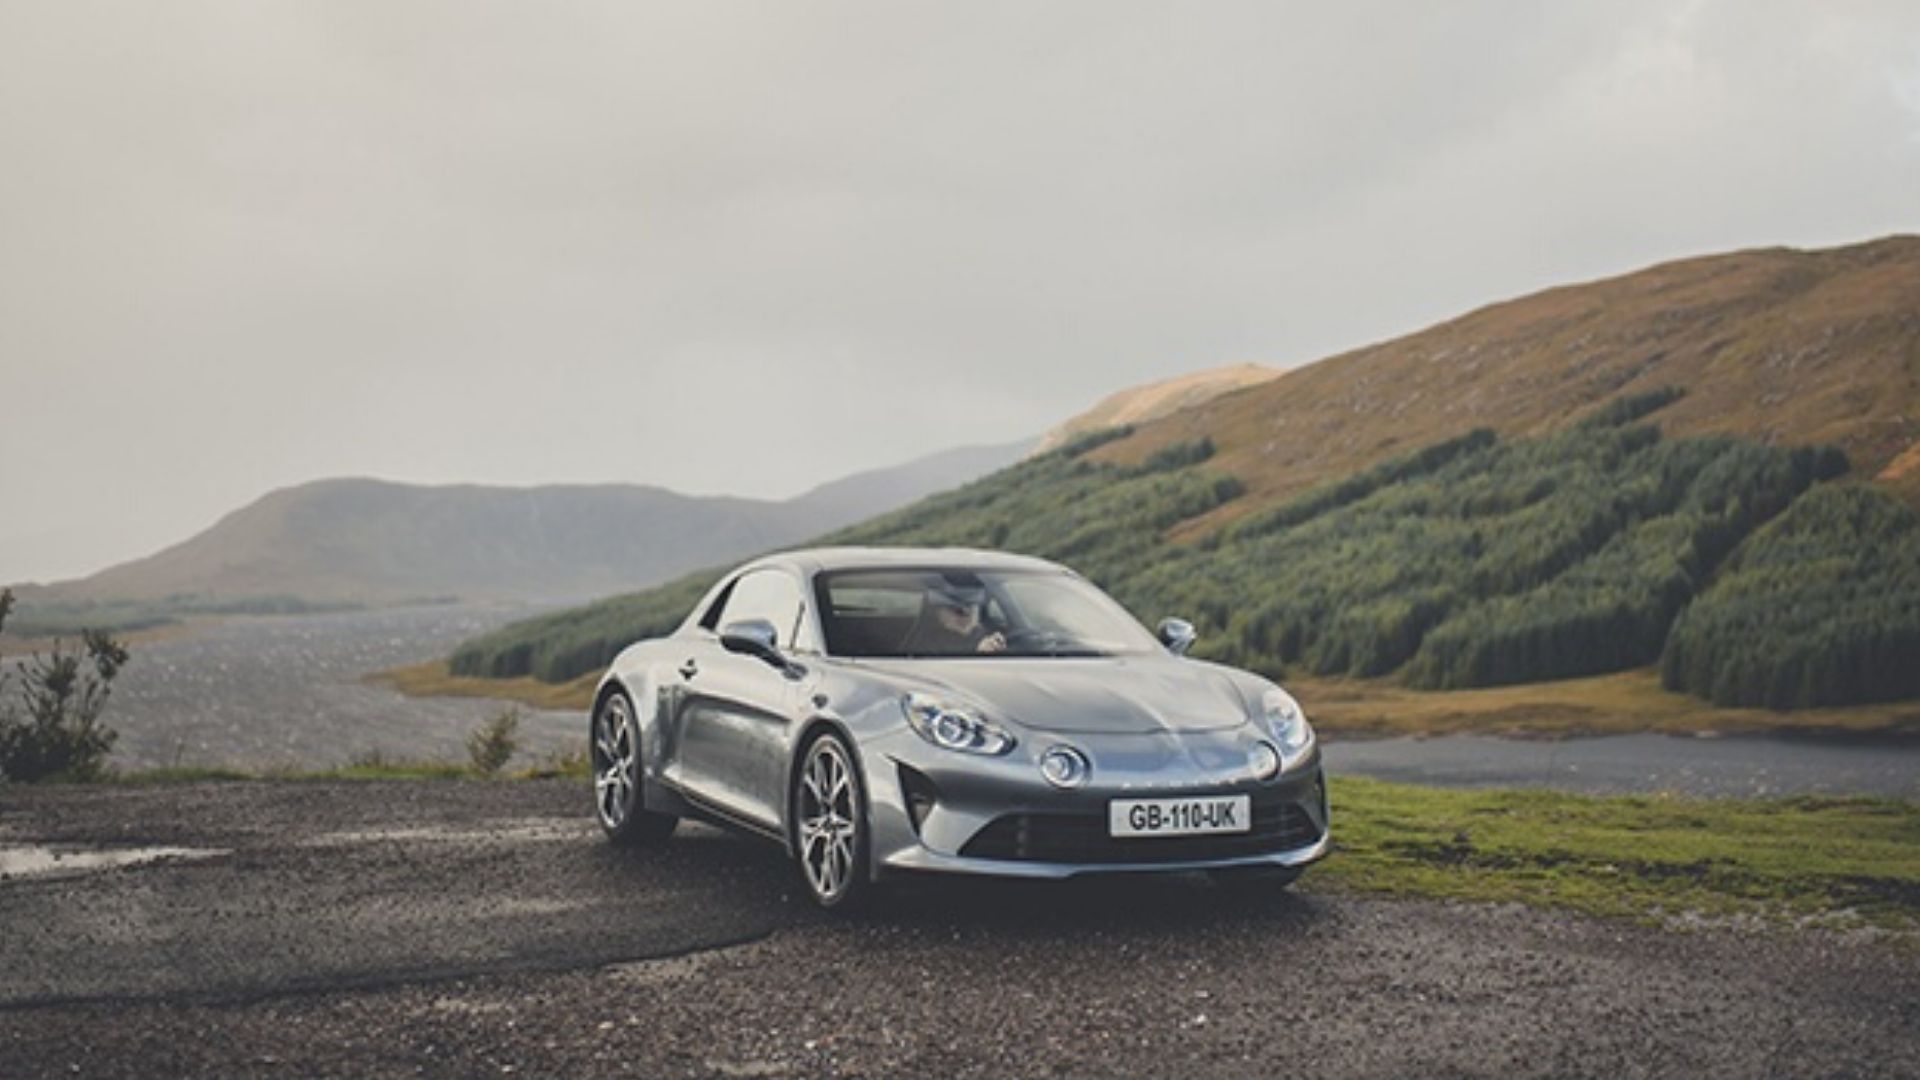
(954, 727)
(1285, 720)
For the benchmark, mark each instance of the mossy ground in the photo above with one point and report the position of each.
(1844, 861)
(1622, 703)
(371, 767)
(433, 679)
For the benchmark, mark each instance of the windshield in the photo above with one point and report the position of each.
(952, 612)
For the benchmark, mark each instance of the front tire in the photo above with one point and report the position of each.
(613, 748)
(829, 814)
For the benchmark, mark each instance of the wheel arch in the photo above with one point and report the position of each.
(810, 731)
(642, 698)
(609, 686)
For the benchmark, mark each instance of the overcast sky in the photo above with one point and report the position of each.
(748, 248)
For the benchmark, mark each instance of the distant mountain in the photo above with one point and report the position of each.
(853, 498)
(371, 542)
(1151, 401)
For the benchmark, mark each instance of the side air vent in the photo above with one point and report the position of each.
(918, 793)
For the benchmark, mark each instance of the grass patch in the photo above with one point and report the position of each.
(182, 774)
(1619, 704)
(433, 679)
(382, 769)
(1841, 861)
(367, 767)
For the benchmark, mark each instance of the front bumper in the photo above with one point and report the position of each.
(934, 810)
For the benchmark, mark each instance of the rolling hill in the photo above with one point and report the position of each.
(1782, 346)
(1151, 401)
(1598, 478)
(358, 541)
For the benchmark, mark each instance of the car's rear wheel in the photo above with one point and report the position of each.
(830, 824)
(614, 750)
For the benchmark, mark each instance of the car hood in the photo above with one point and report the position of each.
(1122, 695)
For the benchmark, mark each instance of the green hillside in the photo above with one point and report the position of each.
(1820, 607)
(1475, 562)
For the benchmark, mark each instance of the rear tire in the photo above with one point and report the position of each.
(613, 748)
(831, 843)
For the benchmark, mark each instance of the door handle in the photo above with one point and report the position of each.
(689, 669)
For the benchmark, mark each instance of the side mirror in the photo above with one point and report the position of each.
(753, 637)
(1177, 635)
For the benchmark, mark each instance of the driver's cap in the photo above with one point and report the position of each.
(947, 594)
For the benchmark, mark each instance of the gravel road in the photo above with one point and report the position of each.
(466, 929)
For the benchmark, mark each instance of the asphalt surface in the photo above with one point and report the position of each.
(468, 929)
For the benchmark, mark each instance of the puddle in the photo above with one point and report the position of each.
(43, 860)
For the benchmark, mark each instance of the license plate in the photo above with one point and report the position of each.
(1179, 817)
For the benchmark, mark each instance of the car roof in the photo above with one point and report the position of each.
(811, 561)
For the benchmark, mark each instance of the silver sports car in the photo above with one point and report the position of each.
(887, 710)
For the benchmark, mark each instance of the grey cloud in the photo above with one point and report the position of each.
(248, 245)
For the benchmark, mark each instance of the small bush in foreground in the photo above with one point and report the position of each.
(493, 743)
(54, 731)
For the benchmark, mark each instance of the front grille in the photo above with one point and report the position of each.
(1082, 838)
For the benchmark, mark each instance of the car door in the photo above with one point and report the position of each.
(736, 710)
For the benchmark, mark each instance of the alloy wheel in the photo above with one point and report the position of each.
(615, 761)
(829, 821)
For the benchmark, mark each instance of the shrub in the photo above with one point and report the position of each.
(55, 730)
(494, 742)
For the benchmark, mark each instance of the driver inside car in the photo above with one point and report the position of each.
(950, 622)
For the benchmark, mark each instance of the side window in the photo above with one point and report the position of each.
(765, 594)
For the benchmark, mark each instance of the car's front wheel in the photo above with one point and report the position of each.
(830, 823)
(614, 751)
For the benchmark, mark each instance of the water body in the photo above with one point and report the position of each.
(287, 691)
(1745, 766)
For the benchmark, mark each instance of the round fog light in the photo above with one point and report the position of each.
(1264, 760)
(1064, 767)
